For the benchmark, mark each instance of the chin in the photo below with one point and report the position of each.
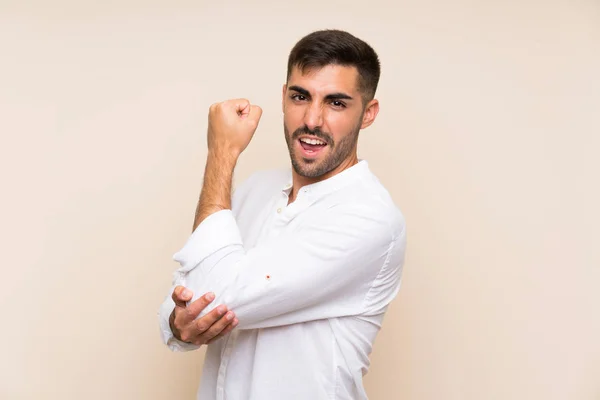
(308, 168)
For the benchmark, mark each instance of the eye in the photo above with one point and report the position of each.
(298, 97)
(338, 104)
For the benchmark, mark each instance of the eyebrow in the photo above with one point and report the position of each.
(331, 96)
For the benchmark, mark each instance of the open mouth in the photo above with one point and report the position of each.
(311, 146)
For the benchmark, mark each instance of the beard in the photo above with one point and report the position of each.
(337, 152)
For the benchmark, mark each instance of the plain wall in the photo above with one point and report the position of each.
(488, 140)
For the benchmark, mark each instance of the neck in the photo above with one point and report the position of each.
(300, 181)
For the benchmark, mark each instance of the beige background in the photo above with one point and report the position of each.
(488, 140)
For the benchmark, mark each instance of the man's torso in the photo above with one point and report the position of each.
(323, 359)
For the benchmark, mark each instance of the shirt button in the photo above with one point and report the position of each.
(279, 210)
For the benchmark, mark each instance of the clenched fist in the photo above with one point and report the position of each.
(231, 125)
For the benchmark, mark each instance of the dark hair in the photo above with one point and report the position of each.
(327, 47)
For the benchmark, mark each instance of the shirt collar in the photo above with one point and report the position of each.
(332, 184)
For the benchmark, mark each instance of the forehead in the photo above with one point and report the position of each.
(328, 79)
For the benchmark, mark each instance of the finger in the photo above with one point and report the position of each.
(225, 331)
(187, 316)
(196, 328)
(255, 113)
(218, 326)
(181, 296)
(196, 307)
(191, 328)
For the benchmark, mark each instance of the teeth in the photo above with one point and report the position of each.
(312, 141)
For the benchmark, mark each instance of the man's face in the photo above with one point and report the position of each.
(323, 113)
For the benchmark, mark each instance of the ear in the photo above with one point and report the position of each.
(283, 97)
(371, 111)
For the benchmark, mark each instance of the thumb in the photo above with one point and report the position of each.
(181, 296)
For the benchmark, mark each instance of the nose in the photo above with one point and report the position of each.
(313, 116)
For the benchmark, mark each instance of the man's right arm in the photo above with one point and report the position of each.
(177, 319)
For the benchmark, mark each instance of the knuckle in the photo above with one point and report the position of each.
(197, 341)
(177, 317)
(175, 321)
(187, 313)
(192, 311)
(185, 336)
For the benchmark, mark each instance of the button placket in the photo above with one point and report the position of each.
(222, 373)
(282, 203)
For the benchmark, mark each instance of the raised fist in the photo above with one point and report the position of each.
(231, 125)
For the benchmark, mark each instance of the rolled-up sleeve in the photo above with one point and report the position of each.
(192, 255)
(346, 262)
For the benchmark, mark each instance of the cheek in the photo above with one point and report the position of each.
(292, 119)
(339, 124)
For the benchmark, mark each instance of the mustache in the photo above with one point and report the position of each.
(313, 132)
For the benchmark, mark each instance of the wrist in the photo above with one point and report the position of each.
(216, 189)
(223, 156)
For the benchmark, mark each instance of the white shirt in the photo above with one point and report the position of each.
(309, 283)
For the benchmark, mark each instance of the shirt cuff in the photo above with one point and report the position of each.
(217, 231)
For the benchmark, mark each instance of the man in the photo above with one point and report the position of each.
(307, 259)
